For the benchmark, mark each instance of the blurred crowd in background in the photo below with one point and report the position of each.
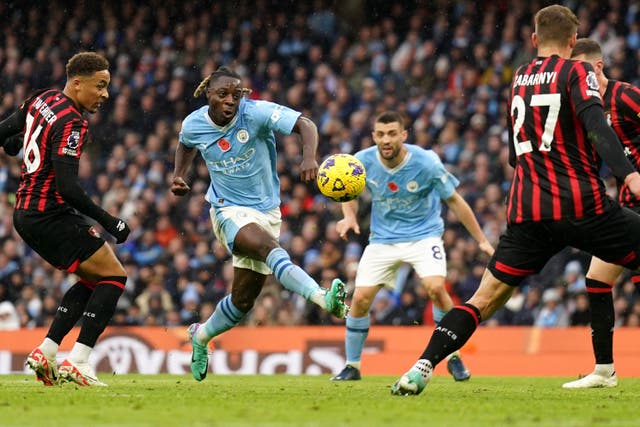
(446, 65)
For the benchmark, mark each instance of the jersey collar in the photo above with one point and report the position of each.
(399, 166)
(218, 127)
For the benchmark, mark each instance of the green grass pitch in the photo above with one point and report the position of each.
(281, 400)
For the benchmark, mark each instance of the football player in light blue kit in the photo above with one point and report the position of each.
(406, 184)
(235, 138)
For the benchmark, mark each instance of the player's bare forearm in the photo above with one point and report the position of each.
(183, 159)
(350, 220)
(349, 209)
(309, 135)
(463, 211)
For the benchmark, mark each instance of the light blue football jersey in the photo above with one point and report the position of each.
(406, 200)
(241, 156)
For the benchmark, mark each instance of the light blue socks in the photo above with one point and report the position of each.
(290, 275)
(357, 331)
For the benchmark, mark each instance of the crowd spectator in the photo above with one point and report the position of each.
(444, 65)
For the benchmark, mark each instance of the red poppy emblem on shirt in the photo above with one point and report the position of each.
(224, 144)
(392, 186)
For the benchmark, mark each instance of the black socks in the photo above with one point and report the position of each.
(100, 309)
(453, 331)
(602, 320)
(69, 311)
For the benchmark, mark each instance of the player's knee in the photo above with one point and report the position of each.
(435, 290)
(359, 306)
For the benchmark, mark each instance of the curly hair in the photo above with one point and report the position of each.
(86, 64)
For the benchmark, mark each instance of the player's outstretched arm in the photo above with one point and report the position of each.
(308, 132)
(463, 211)
(72, 193)
(183, 159)
(350, 220)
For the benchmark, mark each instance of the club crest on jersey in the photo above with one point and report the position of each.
(412, 186)
(242, 136)
(224, 145)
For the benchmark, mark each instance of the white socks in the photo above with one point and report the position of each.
(317, 297)
(605, 370)
(49, 348)
(80, 353)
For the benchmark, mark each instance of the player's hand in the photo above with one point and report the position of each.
(345, 224)
(117, 228)
(486, 247)
(308, 170)
(13, 144)
(179, 187)
(633, 182)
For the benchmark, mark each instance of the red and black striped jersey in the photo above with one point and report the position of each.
(622, 108)
(556, 166)
(54, 130)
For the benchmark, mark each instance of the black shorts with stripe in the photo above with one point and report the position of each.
(63, 238)
(526, 247)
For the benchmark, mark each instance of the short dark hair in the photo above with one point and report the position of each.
(586, 47)
(555, 24)
(390, 117)
(86, 64)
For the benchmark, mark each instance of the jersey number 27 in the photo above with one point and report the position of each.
(519, 109)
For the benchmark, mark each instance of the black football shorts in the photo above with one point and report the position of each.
(63, 238)
(525, 248)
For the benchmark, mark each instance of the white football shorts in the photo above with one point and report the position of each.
(228, 220)
(380, 261)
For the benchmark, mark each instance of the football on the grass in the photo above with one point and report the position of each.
(341, 177)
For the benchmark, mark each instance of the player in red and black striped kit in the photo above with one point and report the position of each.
(621, 105)
(558, 133)
(53, 214)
